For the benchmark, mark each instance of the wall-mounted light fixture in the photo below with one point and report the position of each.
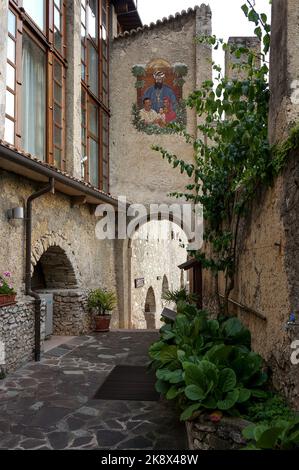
(17, 213)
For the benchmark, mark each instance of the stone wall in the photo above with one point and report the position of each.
(203, 434)
(267, 254)
(284, 69)
(55, 223)
(136, 171)
(154, 260)
(71, 316)
(17, 334)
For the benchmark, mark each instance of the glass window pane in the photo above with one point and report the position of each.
(36, 10)
(57, 157)
(57, 136)
(105, 169)
(11, 23)
(93, 18)
(57, 18)
(83, 52)
(11, 50)
(83, 72)
(57, 93)
(57, 71)
(58, 3)
(58, 40)
(10, 104)
(105, 137)
(105, 185)
(9, 132)
(93, 162)
(33, 98)
(104, 16)
(58, 115)
(10, 76)
(93, 118)
(93, 69)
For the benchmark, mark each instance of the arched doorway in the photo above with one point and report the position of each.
(150, 309)
(55, 280)
(54, 271)
(165, 285)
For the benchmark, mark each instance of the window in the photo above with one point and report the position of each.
(33, 98)
(36, 64)
(10, 111)
(37, 11)
(95, 92)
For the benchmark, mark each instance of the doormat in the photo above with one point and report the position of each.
(129, 383)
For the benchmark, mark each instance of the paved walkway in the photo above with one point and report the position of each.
(49, 405)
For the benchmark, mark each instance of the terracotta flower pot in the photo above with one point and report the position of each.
(102, 323)
(7, 299)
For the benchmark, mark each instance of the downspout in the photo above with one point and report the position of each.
(37, 322)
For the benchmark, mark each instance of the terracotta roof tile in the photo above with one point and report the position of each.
(164, 21)
(52, 167)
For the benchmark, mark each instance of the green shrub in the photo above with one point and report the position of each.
(280, 435)
(207, 364)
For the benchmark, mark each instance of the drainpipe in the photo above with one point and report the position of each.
(47, 189)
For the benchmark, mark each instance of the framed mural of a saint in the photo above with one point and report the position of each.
(159, 96)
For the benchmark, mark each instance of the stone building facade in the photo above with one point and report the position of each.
(266, 286)
(66, 257)
(166, 242)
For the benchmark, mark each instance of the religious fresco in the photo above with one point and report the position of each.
(159, 102)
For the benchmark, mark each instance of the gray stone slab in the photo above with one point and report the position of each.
(49, 405)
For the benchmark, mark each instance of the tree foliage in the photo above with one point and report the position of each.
(232, 155)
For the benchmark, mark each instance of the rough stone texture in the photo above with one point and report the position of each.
(203, 434)
(145, 255)
(17, 334)
(55, 223)
(279, 76)
(267, 261)
(50, 405)
(284, 76)
(150, 177)
(70, 314)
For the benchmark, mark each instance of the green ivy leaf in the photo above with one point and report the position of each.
(188, 412)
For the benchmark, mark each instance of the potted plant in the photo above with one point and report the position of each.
(103, 302)
(7, 292)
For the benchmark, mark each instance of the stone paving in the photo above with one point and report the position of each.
(50, 405)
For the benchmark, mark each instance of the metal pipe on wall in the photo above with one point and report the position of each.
(47, 189)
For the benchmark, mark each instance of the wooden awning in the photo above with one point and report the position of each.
(191, 263)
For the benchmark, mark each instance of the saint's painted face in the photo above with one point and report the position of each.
(159, 79)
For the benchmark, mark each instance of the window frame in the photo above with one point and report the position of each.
(44, 40)
(103, 180)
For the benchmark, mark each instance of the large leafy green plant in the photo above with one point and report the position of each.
(280, 435)
(207, 364)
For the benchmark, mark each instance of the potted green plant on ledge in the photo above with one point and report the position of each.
(7, 292)
(103, 302)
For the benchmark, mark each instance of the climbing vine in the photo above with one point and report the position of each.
(233, 156)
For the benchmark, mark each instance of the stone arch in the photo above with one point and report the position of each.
(143, 219)
(54, 271)
(59, 241)
(150, 309)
